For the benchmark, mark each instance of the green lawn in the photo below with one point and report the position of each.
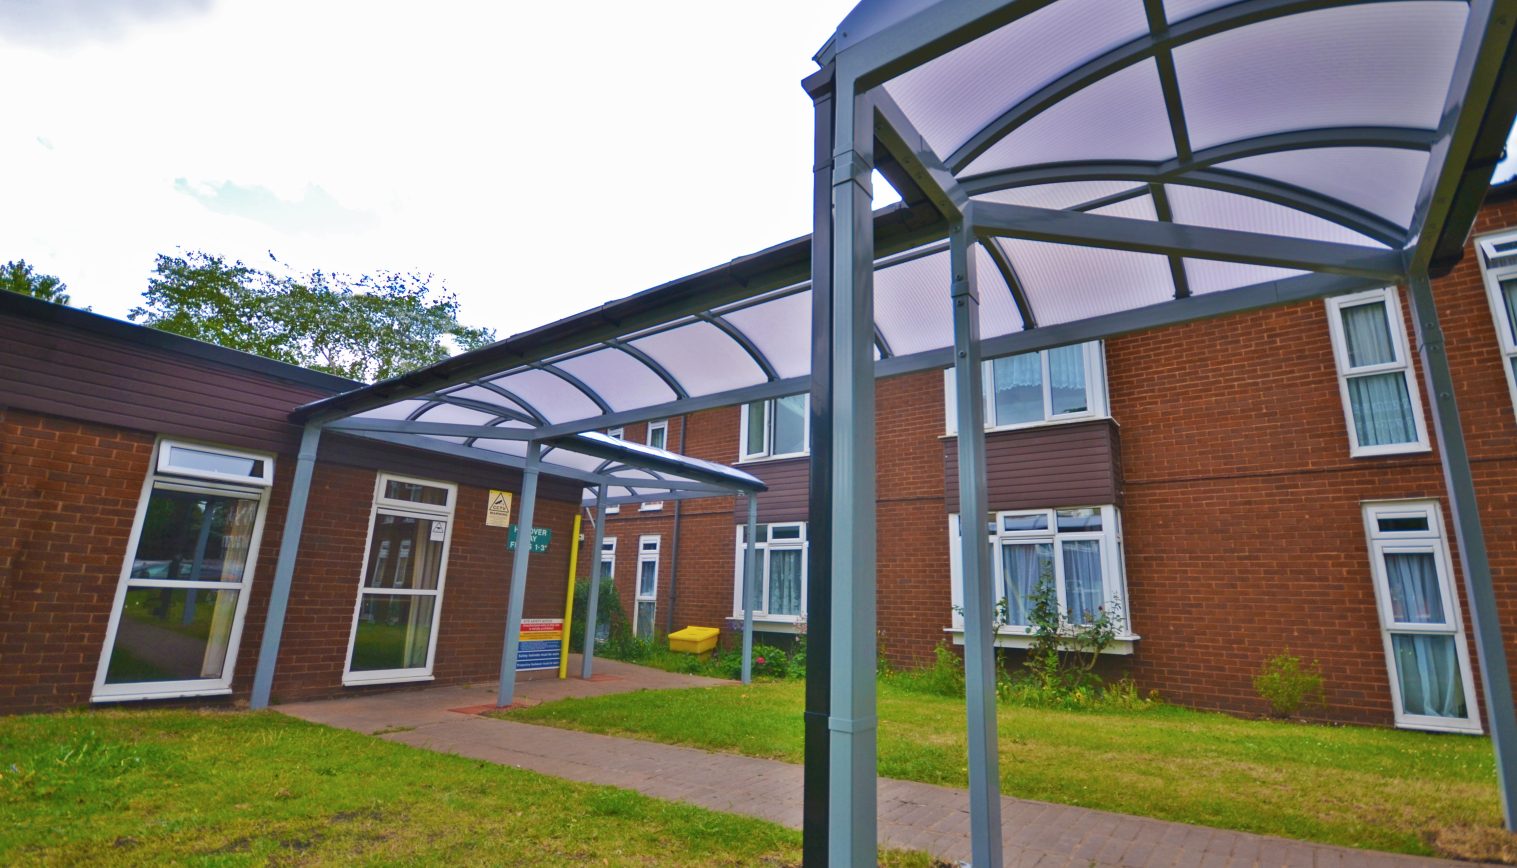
(141, 787)
(1357, 786)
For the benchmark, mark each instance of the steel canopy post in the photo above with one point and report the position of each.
(750, 587)
(587, 655)
(814, 812)
(1484, 618)
(853, 786)
(284, 567)
(519, 575)
(979, 601)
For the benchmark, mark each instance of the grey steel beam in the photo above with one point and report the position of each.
(532, 414)
(1226, 181)
(447, 429)
(1115, 198)
(531, 418)
(881, 344)
(1488, 33)
(1172, 239)
(1485, 616)
(853, 798)
(742, 395)
(574, 381)
(1166, 215)
(1169, 81)
(750, 586)
(974, 560)
(592, 601)
(900, 137)
(1149, 46)
(284, 567)
(1013, 283)
(652, 364)
(742, 340)
(519, 561)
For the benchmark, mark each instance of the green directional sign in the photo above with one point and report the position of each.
(541, 536)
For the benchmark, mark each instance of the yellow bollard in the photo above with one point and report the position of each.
(563, 648)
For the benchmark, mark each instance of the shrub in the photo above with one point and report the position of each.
(608, 612)
(945, 677)
(1287, 685)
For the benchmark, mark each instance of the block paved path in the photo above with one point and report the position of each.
(912, 815)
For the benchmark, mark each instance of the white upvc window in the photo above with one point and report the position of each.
(619, 434)
(1498, 262)
(1432, 685)
(178, 613)
(1381, 402)
(608, 558)
(776, 428)
(647, 585)
(1064, 384)
(658, 438)
(394, 634)
(779, 566)
(1078, 550)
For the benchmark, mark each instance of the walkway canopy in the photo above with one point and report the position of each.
(1070, 170)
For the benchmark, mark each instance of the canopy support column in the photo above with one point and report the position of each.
(853, 837)
(519, 574)
(284, 567)
(592, 603)
(814, 812)
(979, 600)
(1460, 481)
(750, 587)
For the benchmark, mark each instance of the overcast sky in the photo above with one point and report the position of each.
(538, 158)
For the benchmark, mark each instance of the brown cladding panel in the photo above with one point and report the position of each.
(789, 480)
(1075, 464)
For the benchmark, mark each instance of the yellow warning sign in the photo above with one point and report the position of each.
(498, 512)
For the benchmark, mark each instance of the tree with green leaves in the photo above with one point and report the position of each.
(368, 327)
(19, 276)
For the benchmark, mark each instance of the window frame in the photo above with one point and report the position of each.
(1096, 396)
(761, 569)
(767, 454)
(608, 556)
(658, 425)
(1113, 568)
(1492, 276)
(645, 554)
(618, 433)
(404, 509)
(1433, 541)
(1390, 298)
(191, 481)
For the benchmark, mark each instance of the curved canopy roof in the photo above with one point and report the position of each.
(1124, 164)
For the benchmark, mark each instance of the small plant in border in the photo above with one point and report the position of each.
(1288, 685)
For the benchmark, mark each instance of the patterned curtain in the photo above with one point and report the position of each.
(784, 582)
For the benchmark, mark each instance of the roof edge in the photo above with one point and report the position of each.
(14, 304)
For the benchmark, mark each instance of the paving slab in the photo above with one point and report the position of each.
(912, 815)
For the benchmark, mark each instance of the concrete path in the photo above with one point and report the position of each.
(911, 815)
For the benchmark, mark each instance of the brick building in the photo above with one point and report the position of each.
(1238, 509)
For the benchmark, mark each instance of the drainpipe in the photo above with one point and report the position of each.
(674, 556)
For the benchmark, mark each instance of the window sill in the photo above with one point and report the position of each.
(355, 681)
(1433, 724)
(1047, 423)
(770, 625)
(1122, 647)
(170, 694)
(763, 458)
(1390, 451)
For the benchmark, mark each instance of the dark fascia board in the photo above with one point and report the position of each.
(1475, 186)
(897, 227)
(1506, 191)
(25, 307)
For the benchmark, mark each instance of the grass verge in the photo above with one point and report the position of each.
(1379, 789)
(117, 787)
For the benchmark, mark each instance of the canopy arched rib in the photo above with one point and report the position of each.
(1150, 45)
(652, 364)
(1013, 283)
(742, 340)
(574, 381)
(537, 418)
(1166, 215)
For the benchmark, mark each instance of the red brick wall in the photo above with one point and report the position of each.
(69, 492)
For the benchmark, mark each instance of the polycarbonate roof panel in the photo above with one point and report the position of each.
(1382, 181)
(1198, 206)
(781, 329)
(1120, 117)
(486, 396)
(619, 378)
(397, 410)
(1175, 10)
(951, 97)
(1136, 208)
(998, 312)
(1209, 275)
(456, 415)
(550, 395)
(911, 304)
(702, 358)
(1058, 196)
(1065, 283)
(1374, 64)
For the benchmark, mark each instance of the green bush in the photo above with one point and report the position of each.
(608, 611)
(945, 677)
(1288, 685)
